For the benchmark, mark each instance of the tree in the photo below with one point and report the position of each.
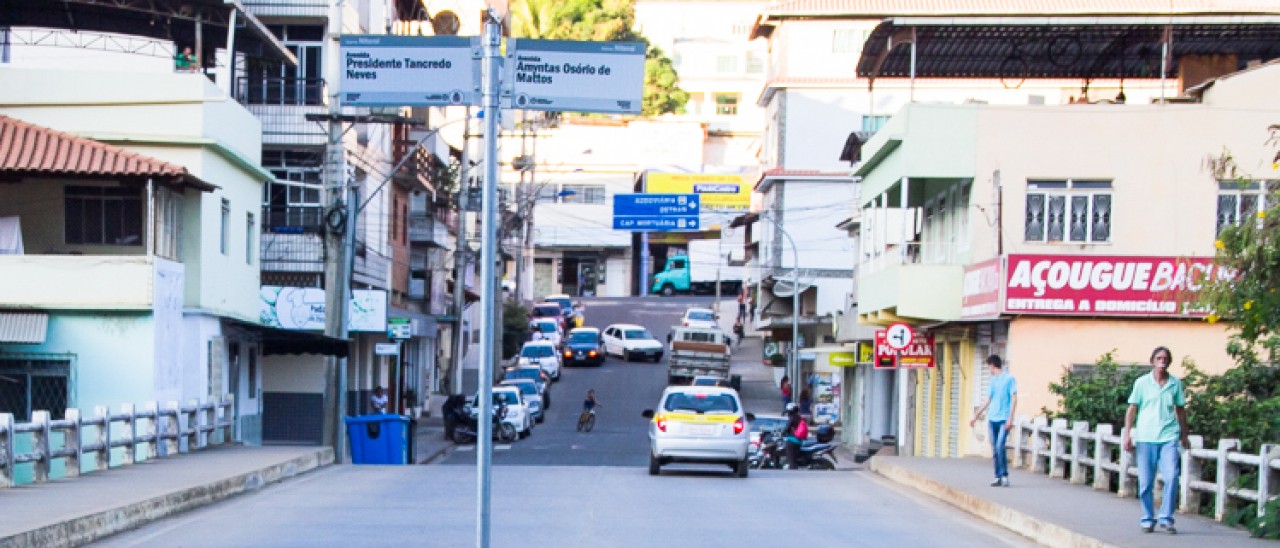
(602, 21)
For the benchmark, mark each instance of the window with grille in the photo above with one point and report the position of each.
(1068, 210)
(584, 194)
(34, 385)
(291, 203)
(102, 215)
(727, 104)
(727, 64)
(1238, 201)
(225, 239)
(845, 40)
(873, 124)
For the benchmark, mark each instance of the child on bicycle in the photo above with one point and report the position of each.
(586, 420)
(590, 403)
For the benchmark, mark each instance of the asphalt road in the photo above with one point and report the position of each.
(624, 389)
(564, 488)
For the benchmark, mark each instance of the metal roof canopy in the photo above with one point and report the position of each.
(175, 20)
(1084, 47)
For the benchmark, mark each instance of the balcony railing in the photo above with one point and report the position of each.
(292, 219)
(85, 282)
(292, 253)
(428, 230)
(288, 8)
(280, 91)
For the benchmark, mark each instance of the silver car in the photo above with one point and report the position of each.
(703, 424)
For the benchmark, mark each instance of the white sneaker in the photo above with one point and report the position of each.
(996, 482)
(1004, 482)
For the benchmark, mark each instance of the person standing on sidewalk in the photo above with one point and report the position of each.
(1159, 401)
(1002, 402)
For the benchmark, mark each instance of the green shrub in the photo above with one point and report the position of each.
(1100, 396)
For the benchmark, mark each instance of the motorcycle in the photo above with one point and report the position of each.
(812, 456)
(465, 428)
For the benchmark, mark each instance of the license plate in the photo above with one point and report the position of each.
(702, 430)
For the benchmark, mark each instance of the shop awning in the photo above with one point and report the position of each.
(286, 341)
(23, 327)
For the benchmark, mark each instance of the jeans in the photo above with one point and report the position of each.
(999, 436)
(1163, 457)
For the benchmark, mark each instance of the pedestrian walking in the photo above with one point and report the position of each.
(742, 304)
(785, 386)
(1002, 402)
(1158, 401)
(739, 331)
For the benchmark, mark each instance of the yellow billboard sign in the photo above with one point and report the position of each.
(721, 192)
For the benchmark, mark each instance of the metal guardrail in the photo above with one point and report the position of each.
(161, 433)
(1069, 450)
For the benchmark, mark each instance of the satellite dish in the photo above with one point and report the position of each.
(445, 23)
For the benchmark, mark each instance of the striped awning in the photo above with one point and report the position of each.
(23, 327)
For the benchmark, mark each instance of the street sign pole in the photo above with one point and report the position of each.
(488, 264)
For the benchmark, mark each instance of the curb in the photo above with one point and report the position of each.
(1035, 529)
(91, 527)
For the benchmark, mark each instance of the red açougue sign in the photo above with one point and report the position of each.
(1100, 285)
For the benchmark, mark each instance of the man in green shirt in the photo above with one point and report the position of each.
(1159, 402)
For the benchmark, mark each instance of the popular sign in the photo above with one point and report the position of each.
(718, 192)
(918, 354)
(575, 76)
(408, 70)
(1083, 285)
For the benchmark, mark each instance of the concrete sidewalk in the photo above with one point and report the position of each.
(1050, 511)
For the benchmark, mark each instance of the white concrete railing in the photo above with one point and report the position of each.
(160, 435)
(1070, 451)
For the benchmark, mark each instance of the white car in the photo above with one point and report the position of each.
(542, 354)
(631, 341)
(700, 317)
(518, 415)
(703, 424)
(546, 329)
(532, 396)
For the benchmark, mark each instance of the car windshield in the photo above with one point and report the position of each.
(636, 334)
(537, 351)
(547, 327)
(701, 403)
(546, 310)
(523, 373)
(583, 337)
(564, 303)
(509, 398)
(526, 388)
(700, 315)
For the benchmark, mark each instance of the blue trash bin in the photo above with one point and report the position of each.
(378, 439)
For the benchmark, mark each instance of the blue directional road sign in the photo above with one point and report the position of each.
(655, 212)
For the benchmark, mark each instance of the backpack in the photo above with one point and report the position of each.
(802, 430)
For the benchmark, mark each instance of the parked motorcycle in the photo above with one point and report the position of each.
(465, 428)
(813, 455)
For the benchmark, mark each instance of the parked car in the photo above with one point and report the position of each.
(699, 317)
(572, 310)
(548, 310)
(542, 354)
(547, 329)
(703, 424)
(631, 341)
(533, 373)
(518, 414)
(532, 396)
(584, 346)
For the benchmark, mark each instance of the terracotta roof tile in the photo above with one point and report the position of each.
(28, 149)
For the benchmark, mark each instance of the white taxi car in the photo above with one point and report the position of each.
(702, 424)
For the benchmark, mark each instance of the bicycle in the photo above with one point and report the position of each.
(587, 420)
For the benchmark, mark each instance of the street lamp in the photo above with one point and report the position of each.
(793, 359)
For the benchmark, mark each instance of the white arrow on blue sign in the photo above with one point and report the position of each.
(655, 212)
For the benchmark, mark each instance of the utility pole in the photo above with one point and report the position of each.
(460, 258)
(339, 241)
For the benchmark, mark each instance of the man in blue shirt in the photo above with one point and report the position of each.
(1002, 402)
(1159, 402)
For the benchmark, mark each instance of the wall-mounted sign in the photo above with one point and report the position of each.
(917, 355)
(393, 70)
(718, 192)
(303, 308)
(574, 76)
(1100, 285)
(841, 359)
(980, 294)
(386, 349)
(399, 328)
